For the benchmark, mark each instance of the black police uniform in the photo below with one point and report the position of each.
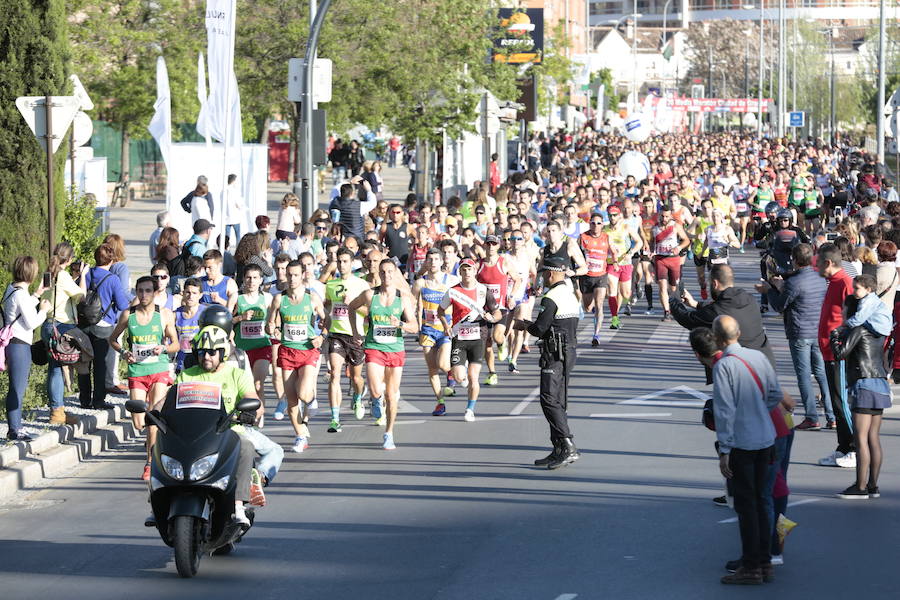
(556, 325)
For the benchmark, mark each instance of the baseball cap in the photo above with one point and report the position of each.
(491, 239)
(614, 210)
(467, 262)
(201, 225)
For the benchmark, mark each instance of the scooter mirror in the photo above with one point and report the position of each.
(247, 405)
(136, 406)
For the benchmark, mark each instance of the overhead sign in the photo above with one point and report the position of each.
(62, 111)
(737, 105)
(796, 118)
(520, 38)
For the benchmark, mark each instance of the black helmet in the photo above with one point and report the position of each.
(218, 315)
(772, 208)
(785, 213)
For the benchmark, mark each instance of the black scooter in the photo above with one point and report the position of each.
(192, 475)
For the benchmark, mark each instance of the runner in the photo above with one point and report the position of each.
(499, 279)
(717, 239)
(473, 307)
(390, 314)
(428, 292)
(217, 288)
(740, 195)
(522, 296)
(698, 237)
(595, 245)
(276, 287)
(668, 240)
(343, 348)
(187, 320)
(148, 328)
(292, 315)
(250, 336)
(623, 242)
(649, 219)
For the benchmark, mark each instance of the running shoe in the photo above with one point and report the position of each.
(853, 493)
(526, 349)
(388, 443)
(808, 425)
(492, 379)
(280, 409)
(741, 249)
(300, 444)
(704, 295)
(721, 501)
(763, 309)
(448, 391)
(777, 560)
(595, 342)
(503, 351)
(145, 476)
(649, 310)
(830, 425)
(376, 407)
(627, 310)
(257, 496)
(439, 410)
(313, 407)
(359, 409)
(381, 421)
(469, 416)
(513, 368)
(847, 461)
(614, 323)
(335, 427)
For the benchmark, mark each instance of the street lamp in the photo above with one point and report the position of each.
(759, 92)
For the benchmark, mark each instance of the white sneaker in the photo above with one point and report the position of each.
(831, 459)
(469, 416)
(847, 461)
(313, 407)
(300, 444)
(388, 442)
(280, 410)
(777, 560)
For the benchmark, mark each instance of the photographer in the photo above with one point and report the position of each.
(352, 204)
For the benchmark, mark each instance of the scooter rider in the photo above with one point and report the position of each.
(556, 325)
(211, 346)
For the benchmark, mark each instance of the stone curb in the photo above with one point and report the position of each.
(25, 464)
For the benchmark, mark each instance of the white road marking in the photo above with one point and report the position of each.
(627, 415)
(521, 406)
(657, 398)
(790, 504)
(667, 334)
(372, 424)
(405, 407)
(567, 597)
(511, 417)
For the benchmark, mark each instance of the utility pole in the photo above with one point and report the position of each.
(759, 93)
(833, 91)
(879, 120)
(51, 203)
(781, 68)
(308, 171)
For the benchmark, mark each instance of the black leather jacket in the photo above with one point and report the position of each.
(863, 351)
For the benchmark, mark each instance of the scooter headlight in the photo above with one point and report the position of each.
(202, 467)
(221, 483)
(172, 467)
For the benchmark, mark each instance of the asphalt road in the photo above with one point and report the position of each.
(458, 512)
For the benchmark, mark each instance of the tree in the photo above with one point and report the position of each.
(867, 80)
(554, 72)
(115, 44)
(33, 62)
(604, 77)
(718, 52)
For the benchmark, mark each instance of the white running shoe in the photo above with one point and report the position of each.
(847, 461)
(777, 560)
(300, 444)
(469, 416)
(280, 409)
(388, 443)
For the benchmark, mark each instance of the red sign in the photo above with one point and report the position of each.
(738, 105)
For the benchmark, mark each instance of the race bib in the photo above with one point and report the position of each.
(385, 334)
(252, 330)
(199, 394)
(144, 352)
(469, 332)
(812, 203)
(430, 315)
(296, 332)
(594, 265)
(741, 206)
(798, 196)
(494, 289)
(339, 310)
(185, 342)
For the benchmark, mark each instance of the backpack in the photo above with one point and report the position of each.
(6, 332)
(90, 309)
(176, 265)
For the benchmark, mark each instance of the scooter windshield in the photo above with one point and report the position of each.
(193, 410)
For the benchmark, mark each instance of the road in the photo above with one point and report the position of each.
(458, 512)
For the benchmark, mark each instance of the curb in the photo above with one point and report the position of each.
(25, 465)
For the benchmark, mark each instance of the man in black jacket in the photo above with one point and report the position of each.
(727, 300)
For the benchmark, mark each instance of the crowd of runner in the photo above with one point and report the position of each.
(336, 295)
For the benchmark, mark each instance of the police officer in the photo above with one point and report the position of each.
(556, 325)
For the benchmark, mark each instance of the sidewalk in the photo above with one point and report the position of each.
(137, 221)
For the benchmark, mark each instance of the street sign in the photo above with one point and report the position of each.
(62, 109)
(82, 129)
(84, 101)
(893, 103)
(797, 118)
(322, 70)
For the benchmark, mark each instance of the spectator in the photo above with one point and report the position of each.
(351, 209)
(745, 390)
(393, 148)
(840, 285)
(23, 313)
(234, 208)
(199, 203)
(168, 247)
(799, 298)
(288, 217)
(63, 295)
(355, 158)
(197, 243)
(114, 299)
(120, 269)
(229, 267)
(162, 221)
(338, 158)
(254, 249)
(885, 272)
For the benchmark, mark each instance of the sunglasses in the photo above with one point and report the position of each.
(396, 212)
(205, 351)
(160, 276)
(492, 243)
(479, 212)
(596, 222)
(321, 229)
(515, 239)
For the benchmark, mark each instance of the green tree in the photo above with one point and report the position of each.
(33, 62)
(554, 73)
(604, 77)
(115, 44)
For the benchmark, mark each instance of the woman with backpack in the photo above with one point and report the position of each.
(63, 295)
(105, 298)
(22, 314)
(120, 270)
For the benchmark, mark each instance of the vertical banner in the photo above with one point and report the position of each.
(160, 126)
(600, 113)
(220, 20)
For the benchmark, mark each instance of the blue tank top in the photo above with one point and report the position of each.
(187, 328)
(208, 289)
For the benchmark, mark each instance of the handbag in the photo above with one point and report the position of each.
(61, 349)
(6, 331)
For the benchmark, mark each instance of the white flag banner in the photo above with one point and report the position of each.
(220, 20)
(160, 126)
(202, 97)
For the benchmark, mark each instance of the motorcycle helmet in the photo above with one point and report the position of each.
(785, 213)
(211, 337)
(218, 316)
(772, 209)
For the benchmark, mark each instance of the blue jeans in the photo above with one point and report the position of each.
(338, 174)
(55, 385)
(237, 232)
(271, 454)
(783, 447)
(99, 336)
(18, 367)
(808, 362)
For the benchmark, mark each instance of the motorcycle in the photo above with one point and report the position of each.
(192, 472)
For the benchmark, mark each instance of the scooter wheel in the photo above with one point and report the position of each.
(187, 546)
